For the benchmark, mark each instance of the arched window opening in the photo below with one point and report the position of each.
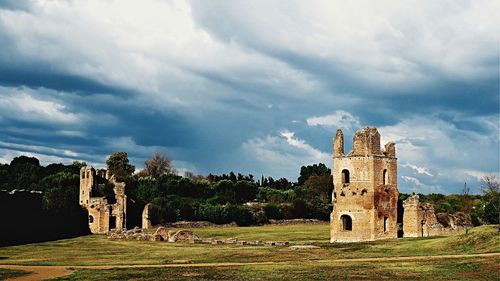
(346, 222)
(91, 219)
(385, 224)
(112, 222)
(385, 177)
(345, 176)
(364, 191)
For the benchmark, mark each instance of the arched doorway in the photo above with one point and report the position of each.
(346, 223)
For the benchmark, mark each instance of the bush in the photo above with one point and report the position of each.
(272, 211)
(241, 215)
(475, 220)
(162, 211)
(213, 213)
(320, 211)
(286, 211)
(267, 194)
(300, 209)
(492, 209)
(260, 217)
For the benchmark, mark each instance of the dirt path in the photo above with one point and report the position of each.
(47, 272)
(39, 272)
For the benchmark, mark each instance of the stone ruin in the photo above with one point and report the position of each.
(103, 215)
(420, 220)
(365, 195)
(161, 234)
(365, 191)
(364, 199)
(166, 235)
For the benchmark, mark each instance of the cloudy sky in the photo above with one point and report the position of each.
(253, 86)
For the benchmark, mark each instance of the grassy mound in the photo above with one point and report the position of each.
(484, 239)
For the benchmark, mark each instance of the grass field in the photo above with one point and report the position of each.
(269, 262)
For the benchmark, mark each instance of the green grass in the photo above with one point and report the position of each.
(282, 263)
(467, 269)
(11, 273)
(98, 250)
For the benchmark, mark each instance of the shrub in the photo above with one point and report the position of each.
(272, 211)
(260, 217)
(241, 215)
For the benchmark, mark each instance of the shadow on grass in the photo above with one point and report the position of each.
(11, 273)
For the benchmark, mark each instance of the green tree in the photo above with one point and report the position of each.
(490, 186)
(5, 180)
(61, 191)
(75, 167)
(119, 165)
(492, 210)
(148, 189)
(25, 173)
(24, 160)
(308, 171)
(322, 186)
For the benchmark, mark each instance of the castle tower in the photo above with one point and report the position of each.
(365, 193)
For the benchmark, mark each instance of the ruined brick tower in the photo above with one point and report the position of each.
(365, 193)
(103, 215)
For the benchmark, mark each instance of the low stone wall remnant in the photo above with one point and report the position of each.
(166, 235)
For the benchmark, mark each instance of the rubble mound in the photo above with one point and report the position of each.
(196, 224)
(182, 235)
(131, 234)
(163, 233)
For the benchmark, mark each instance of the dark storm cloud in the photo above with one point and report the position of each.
(43, 76)
(251, 86)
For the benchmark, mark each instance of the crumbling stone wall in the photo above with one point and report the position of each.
(365, 190)
(420, 220)
(103, 216)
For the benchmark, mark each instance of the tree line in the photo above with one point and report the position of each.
(224, 198)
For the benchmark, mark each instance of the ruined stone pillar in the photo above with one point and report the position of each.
(146, 219)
